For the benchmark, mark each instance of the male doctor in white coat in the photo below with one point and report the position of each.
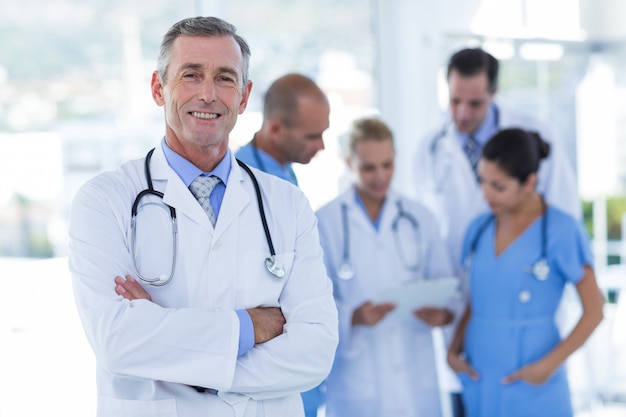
(445, 161)
(223, 336)
(444, 176)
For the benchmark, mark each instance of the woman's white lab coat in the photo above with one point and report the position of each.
(388, 369)
(149, 352)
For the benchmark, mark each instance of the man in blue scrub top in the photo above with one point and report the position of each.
(295, 115)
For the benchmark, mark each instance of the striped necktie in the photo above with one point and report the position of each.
(472, 150)
(201, 188)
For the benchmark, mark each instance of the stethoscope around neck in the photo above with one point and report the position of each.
(271, 263)
(540, 269)
(345, 271)
(442, 169)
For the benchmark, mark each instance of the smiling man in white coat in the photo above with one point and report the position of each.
(188, 317)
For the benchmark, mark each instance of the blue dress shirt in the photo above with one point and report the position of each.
(188, 172)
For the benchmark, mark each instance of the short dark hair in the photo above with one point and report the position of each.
(472, 61)
(201, 26)
(517, 152)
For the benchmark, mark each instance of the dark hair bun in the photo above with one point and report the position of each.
(542, 146)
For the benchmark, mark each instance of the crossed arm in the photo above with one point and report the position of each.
(268, 322)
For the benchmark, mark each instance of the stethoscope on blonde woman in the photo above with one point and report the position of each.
(346, 270)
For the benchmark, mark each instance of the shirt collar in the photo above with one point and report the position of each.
(272, 166)
(189, 172)
(359, 202)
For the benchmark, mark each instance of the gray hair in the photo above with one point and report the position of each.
(201, 26)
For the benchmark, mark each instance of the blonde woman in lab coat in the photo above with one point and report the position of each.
(374, 238)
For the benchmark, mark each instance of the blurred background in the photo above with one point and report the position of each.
(75, 100)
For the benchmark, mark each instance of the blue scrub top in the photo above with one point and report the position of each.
(259, 159)
(505, 331)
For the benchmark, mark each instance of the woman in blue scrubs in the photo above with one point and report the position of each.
(507, 349)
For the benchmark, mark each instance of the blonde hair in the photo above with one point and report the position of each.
(367, 129)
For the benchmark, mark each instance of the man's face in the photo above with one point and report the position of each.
(203, 92)
(301, 141)
(470, 98)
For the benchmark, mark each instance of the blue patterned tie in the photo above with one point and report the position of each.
(201, 188)
(472, 150)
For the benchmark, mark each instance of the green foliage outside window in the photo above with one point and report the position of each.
(615, 207)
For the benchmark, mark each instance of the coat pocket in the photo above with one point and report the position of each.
(267, 288)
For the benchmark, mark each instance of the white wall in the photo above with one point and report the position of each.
(409, 34)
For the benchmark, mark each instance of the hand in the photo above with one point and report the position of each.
(268, 323)
(130, 289)
(459, 365)
(434, 316)
(535, 373)
(370, 314)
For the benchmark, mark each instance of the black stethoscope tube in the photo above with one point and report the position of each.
(259, 200)
(271, 262)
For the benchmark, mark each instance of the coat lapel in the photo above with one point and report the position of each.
(178, 196)
(175, 193)
(235, 200)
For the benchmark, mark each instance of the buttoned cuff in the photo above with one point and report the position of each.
(246, 332)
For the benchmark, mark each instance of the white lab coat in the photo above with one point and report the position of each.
(148, 352)
(388, 369)
(446, 184)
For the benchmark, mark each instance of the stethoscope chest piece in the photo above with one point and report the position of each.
(541, 269)
(345, 271)
(274, 267)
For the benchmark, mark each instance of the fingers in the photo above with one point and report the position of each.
(370, 314)
(434, 316)
(385, 308)
(130, 289)
(460, 365)
(380, 311)
(267, 322)
(515, 376)
(120, 289)
(469, 370)
(426, 313)
(425, 316)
